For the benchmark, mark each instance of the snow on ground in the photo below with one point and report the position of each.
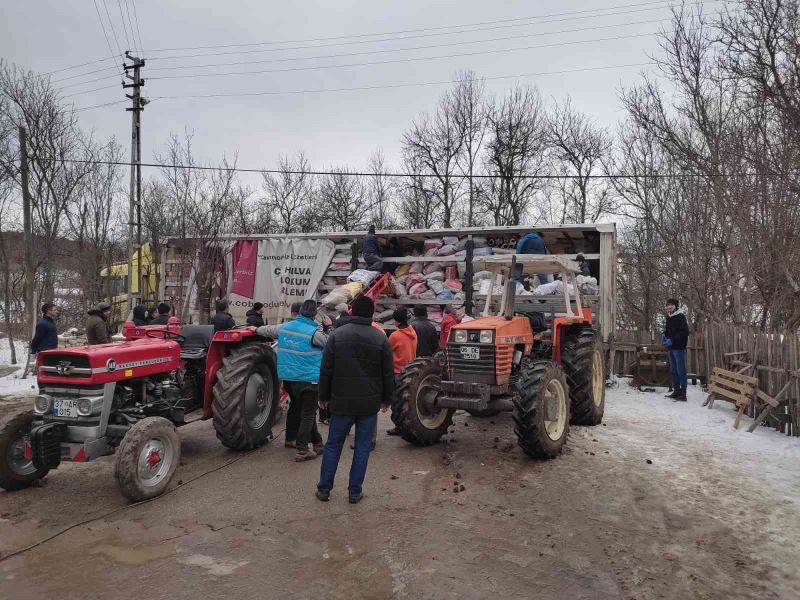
(11, 384)
(765, 455)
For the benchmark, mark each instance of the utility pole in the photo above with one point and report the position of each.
(30, 281)
(135, 204)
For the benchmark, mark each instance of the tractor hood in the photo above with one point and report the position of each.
(106, 363)
(513, 331)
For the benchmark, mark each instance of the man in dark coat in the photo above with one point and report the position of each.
(46, 335)
(139, 315)
(97, 331)
(356, 381)
(163, 315)
(372, 251)
(676, 337)
(427, 336)
(254, 315)
(222, 319)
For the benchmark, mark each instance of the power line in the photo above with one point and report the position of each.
(405, 60)
(124, 27)
(113, 31)
(136, 17)
(100, 105)
(91, 62)
(105, 34)
(667, 4)
(376, 87)
(346, 173)
(413, 48)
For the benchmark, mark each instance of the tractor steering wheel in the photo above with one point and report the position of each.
(165, 334)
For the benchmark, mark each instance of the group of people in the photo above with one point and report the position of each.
(347, 370)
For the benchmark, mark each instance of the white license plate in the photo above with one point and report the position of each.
(470, 353)
(66, 408)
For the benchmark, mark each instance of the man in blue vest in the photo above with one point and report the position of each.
(300, 344)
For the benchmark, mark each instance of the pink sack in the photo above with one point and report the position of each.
(432, 268)
(451, 273)
(416, 268)
(446, 251)
(414, 279)
(433, 243)
(454, 284)
(428, 295)
(418, 288)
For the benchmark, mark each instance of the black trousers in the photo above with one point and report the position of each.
(304, 397)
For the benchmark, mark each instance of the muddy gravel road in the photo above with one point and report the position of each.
(663, 501)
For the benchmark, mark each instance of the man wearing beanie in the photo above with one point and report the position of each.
(253, 315)
(427, 336)
(356, 381)
(300, 344)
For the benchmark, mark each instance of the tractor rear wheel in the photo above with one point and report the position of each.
(147, 459)
(541, 409)
(414, 414)
(17, 470)
(246, 397)
(584, 363)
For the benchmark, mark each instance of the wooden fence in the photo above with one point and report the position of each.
(775, 356)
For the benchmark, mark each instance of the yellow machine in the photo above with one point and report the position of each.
(150, 278)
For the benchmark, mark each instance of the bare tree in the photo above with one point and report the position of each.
(437, 142)
(471, 115)
(289, 194)
(417, 203)
(578, 148)
(11, 278)
(515, 155)
(343, 201)
(381, 190)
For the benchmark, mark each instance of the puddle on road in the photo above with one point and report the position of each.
(135, 556)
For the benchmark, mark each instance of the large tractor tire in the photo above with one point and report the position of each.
(246, 397)
(418, 423)
(147, 459)
(541, 409)
(584, 363)
(17, 470)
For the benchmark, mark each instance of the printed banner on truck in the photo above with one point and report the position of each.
(245, 257)
(286, 271)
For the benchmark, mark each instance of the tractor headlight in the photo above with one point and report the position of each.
(486, 336)
(460, 336)
(43, 404)
(84, 407)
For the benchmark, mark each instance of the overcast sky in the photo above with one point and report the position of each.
(333, 128)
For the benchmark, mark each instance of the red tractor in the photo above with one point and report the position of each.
(126, 398)
(546, 374)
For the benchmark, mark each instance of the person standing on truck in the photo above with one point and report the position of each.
(46, 335)
(372, 251)
(532, 243)
(584, 264)
(427, 336)
(163, 314)
(255, 316)
(222, 319)
(97, 330)
(356, 381)
(675, 338)
(293, 414)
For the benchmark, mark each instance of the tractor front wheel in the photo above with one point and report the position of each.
(541, 409)
(17, 470)
(584, 363)
(246, 397)
(147, 459)
(414, 412)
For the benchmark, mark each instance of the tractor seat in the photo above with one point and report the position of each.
(538, 322)
(198, 339)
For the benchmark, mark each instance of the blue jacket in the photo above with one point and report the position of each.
(371, 245)
(531, 243)
(298, 358)
(46, 336)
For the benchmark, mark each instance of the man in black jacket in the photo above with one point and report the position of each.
(427, 336)
(222, 320)
(675, 337)
(46, 335)
(356, 380)
(163, 315)
(254, 315)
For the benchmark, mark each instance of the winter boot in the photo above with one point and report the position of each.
(304, 454)
(681, 396)
(674, 393)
